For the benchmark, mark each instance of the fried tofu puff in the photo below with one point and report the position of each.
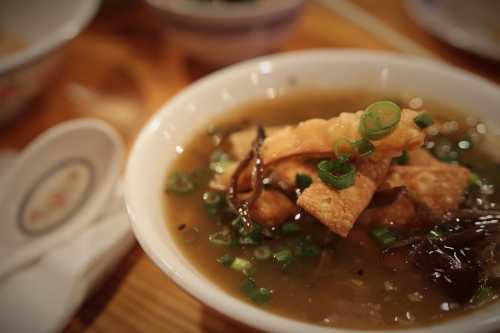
(438, 186)
(339, 209)
(316, 137)
(336, 209)
(271, 208)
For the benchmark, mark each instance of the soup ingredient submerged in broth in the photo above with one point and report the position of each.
(382, 275)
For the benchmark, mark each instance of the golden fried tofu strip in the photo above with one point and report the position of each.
(339, 209)
(439, 186)
(271, 208)
(316, 137)
(283, 174)
(422, 157)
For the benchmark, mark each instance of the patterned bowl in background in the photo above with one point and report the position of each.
(42, 28)
(224, 33)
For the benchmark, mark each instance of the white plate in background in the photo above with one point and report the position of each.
(471, 25)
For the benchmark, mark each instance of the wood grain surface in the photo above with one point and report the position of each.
(122, 68)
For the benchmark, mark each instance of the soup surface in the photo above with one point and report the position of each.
(299, 268)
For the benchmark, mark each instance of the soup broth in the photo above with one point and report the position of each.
(348, 282)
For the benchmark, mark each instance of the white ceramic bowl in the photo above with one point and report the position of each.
(45, 26)
(224, 33)
(265, 78)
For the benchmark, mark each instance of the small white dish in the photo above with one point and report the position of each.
(44, 26)
(266, 78)
(473, 26)
(57, 186)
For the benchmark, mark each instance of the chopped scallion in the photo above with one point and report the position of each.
(435, 234)
(262, 252)
(220, 161)
(256, 294)
(284, 258)
(302, 181)
(237, 223)
(483, 295)
(475, 180)
(251, 236)
(241, 265)
(180, 183)
(200, 176)
(339, 173)
(384, 236)
(214, 202)
(290, 228)
(379, 120)
(307, 249)
(250, 240)
(226, 260)
(445, 150)
(465, 144)
(221, 238)
(423, 120)
(364, 147)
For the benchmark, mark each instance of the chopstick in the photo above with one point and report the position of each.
(375, 26)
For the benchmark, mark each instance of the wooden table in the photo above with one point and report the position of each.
(124, 62)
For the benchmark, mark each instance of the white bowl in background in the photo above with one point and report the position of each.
(45, 26)
(225, 33)
(266, 78)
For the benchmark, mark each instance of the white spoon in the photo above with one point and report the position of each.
(57, 186)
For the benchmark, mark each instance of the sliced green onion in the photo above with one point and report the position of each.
(237, 223)
(435, 234)
(475, 180)
(339, 173)
(465, 144)
(384, 236)
(403, 159)
(200, 176)
(180, 183)
(214, 202)
(342, 146)
(221, 166)
(262, 252)
(379, 120)
(250, 240)
(220, 161)
(226, 260)
(302, 181)
(284, 258)
(423, 120)
(307, 249)
(290, 228)
(364, 147)
(483, 295)
(241, 265)
(221, 238)
(256, 294)
(445, 150)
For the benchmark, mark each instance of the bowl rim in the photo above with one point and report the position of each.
(230, 12)
(56, 38)
(219, 299)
